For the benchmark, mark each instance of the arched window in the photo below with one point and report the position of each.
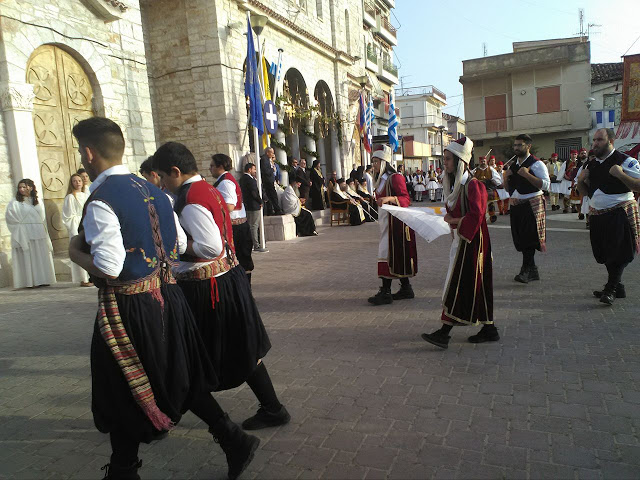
(347, 31)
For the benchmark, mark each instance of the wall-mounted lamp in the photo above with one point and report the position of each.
(589, 101)
(258, 22)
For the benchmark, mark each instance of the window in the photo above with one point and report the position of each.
(319, 9)
(548, 99)
(613, 101)
(495, 113)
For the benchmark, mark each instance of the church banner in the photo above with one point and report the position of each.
(631, 89)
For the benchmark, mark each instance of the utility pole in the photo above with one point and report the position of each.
(581, 15)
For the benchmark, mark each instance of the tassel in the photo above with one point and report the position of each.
(215, 297)
(159, 420)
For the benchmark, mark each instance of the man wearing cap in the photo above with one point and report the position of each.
(491, 179)
(554, 189)
(468, 290)
(610, 181)
(397, 254)
(525, 180)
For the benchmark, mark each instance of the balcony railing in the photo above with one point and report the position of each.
(371, 54)
(370, 9)
(384, 21)
(390, 67)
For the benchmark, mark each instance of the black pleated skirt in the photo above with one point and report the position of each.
(611, 237)
(244, 245)
(172, 353)
(232, 329)
(524, 230)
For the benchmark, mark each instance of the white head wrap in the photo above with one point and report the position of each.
(461, 149)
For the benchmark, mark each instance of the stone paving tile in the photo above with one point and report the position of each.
(557, 397)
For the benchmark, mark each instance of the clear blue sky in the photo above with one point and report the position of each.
(435, 37)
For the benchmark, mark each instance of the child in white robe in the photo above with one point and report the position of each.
(30, 244)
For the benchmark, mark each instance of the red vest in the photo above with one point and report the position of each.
(203, 194)
(231, 178)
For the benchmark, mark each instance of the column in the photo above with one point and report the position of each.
(319, 148)
(16, 100)
(308, 141)
(281, 155)
(335, 150)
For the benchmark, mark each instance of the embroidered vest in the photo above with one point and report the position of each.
(203, 194)
(146, 222)
(231, 178)
(516, 182)
(599, 177)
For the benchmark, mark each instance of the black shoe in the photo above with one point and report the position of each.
(608, 296)
(238, 446)
(383, 297)
(581, 216)
(533, 273)
(405, 292)
(113, 471)
(493, 218)
(488, 333)
(619, 291)
(523, 276)
(437, 338)
(265, 419)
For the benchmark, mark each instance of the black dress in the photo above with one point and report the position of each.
(174, 357)
(231, 329)
(317, 196)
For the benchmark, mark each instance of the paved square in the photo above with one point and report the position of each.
(557, 397)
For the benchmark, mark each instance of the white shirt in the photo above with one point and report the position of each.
(369, 180)
(601, 200)
(228, 190)
(102, 230)
(199, 223)
(539, 170)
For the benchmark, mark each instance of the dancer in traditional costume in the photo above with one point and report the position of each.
(397, 253)
(292, 205)
(229, 187)
(419, 184)
(468, 290)
(216, 286)
(526, 180)
(567, 176)
(148, 362)
(432, 184)
(503, 195)
(71, 216)
(553, 168)
(610, 181)
(31, 247)
(491, 180)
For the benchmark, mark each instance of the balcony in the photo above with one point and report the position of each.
(423, 90)
(390, 3)
(388, 72)
(532, 123)
(369, 14)
(388, 31)
(371, 60)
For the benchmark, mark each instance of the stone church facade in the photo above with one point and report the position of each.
(166, 70)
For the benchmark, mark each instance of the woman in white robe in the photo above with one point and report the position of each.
(30, 244)
(71, 216)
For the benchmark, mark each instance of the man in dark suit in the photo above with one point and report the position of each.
(267, 175)
(252, 202)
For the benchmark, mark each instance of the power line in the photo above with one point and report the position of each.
(634, 42)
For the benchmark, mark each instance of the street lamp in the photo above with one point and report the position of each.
(258, 22)
(441, 129)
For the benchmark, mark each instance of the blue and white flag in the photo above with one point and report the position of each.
(605, 118)
(252, 83)
(393, 123)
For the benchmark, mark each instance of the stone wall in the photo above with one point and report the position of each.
(108, 43)
(196, 58)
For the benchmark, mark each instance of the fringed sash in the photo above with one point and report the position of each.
(631, 209)
(209, 271)
(118, 341)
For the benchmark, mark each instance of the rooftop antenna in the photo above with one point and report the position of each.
(402, 83)
(581, 15)
(484, 49)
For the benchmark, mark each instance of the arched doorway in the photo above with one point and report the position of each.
(295, 92)
(63, 96)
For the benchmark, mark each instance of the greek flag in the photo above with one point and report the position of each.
(252, 83)
(393, 124)
(605, 119)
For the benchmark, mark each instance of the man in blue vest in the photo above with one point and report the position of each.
(526, 180)
(614, 224)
